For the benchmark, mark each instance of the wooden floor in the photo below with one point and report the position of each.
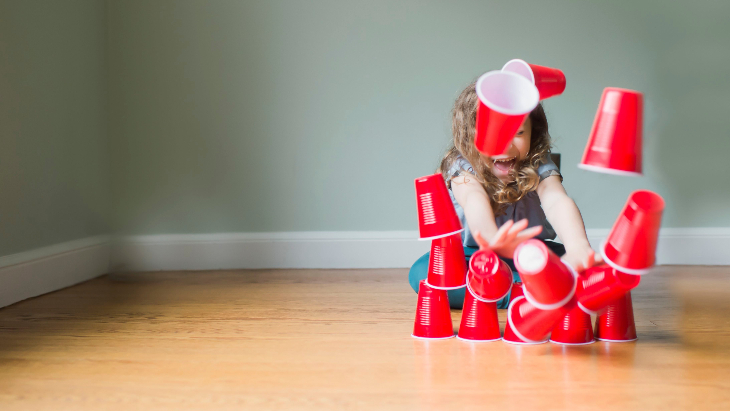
(339, 340)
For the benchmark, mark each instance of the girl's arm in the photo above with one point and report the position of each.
(471, 196)
(564, 216)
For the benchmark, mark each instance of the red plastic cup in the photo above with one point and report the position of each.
(532, 324)
(549, 282)
(433, 315)
(601, 285)
(446, 263)
(616, 323)
(489, 278)
(614, 145)
(479, 321)
(549, 81)
(574, 329)
(631, 245)
(505, 99)
(509, 334)
(436, 214)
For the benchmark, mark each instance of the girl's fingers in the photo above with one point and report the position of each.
(480, 240)
(519, 226)
(498, 238)
(515, 229)
(597, 259)
(528, 234)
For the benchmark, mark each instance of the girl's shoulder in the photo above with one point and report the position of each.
(548, 168)
(460, 164)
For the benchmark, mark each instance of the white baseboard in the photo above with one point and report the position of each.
(32, 273)
(354, 249)
(319, 249)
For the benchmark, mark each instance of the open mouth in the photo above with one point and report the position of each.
(504, 164)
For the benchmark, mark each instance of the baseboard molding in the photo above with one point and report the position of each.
(32, 273)
(343, 249)
(321, 249)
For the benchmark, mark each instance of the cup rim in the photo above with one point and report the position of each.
(585, 310)
(512, 325)
(564, 343)
(522, 62)
(524, 343)
(607, 340)
(433, 338)
(606, 170)
(436, 237)
(503, 110)
(444, 288)
(634, 271)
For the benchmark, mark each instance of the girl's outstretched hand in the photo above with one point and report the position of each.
(508, 237)
(582, 258)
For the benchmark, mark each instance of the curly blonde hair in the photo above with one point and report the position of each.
(526, 179)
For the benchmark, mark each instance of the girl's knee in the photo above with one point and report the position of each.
(418, 272)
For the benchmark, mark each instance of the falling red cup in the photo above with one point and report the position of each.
(549, 81)
(433, 315)
(479, 321)
(601, 285)
(616, 323)
(532, 324)
(446, 263)
(631, 244)
(614, 145)
(509, 334)
(505, 99)
(574, 329)
(549, 282)
(489, 278)
(436, 214)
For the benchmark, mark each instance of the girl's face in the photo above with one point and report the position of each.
(517, 150)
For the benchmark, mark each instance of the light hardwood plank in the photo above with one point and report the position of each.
(340, 339)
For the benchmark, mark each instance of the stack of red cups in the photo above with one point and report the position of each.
(488, 281)
(629, 251)
(438, 222)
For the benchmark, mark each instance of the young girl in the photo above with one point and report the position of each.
(522, 185)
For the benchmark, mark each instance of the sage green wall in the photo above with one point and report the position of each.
(286, 115)
(54, 159)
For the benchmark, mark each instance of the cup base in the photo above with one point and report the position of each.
(604, 170)
(433, 338)
(564, 343)
(476, 341)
